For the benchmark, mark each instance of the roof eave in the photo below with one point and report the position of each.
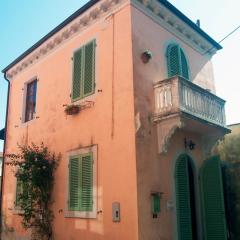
(89, 4)
(185, 19)
(51, 33)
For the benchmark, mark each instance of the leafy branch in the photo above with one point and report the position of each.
(35, 174)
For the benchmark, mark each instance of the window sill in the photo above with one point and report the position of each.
(17, 211)
(78, 214)
(23, 124)
(90, 97)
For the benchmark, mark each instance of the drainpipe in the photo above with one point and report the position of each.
(3, 161)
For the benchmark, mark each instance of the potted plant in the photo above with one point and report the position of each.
(72, 109)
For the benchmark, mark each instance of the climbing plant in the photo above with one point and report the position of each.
(35, 166)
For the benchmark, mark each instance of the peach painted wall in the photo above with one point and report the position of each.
(149, 35)
(155, 172)
(109, 124)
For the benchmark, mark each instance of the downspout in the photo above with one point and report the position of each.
(3, 160)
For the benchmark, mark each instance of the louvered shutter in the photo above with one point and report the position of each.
(87, 183)
(74, 183)
(173, 62)
(18, 192)
(77, 74)
(184, 65)
(183, 205)
(213, 209)
(89, 68)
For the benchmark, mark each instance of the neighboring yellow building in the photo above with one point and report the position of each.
(1, 159)
(235, 128)
(127, 88)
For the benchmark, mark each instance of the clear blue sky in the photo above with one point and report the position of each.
(22, 23)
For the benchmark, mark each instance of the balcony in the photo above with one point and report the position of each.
(180, 103)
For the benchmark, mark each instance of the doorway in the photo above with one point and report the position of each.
(185, 198)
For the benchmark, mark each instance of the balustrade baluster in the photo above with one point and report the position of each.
(191, 99)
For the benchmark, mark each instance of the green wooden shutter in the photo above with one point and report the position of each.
(177, 62)
(87, 183)
(77, 74)
(89, 68)
(213, 209)
(184, 65)
(18, 192)
(173, 62)
(183, 206)
(74, 183)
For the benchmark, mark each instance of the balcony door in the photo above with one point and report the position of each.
(185, 198)
(212, 198)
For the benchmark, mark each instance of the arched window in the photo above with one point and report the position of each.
(177, 62)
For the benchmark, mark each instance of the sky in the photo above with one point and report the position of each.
(22, 23)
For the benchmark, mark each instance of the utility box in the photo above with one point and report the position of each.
(116, 212)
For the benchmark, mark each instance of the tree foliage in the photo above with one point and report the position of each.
(229, 151)
(35, 167)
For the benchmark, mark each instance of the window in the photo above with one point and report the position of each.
(177, 62)
(82, 183)
(84, 71)
(19, 189)
(30, 107)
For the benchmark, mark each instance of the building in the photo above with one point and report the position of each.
(1, 158)
(2, 131)
(141, 73)
(235, 128)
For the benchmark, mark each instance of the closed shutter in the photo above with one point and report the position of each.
(183, 204)
(184, 65)
(18, 192)
(74, 184)
(84, 71)
(81, 183)
(87, 183)
(77, 74)
(177, 62)
(173, 60)
(89, 68)
(213, 210)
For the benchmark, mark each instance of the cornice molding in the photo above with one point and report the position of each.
(168, 20)
(79, 24)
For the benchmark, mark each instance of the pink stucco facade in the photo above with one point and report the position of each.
(109, 124)
(119, 123)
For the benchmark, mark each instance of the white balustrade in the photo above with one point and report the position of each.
(177, 94)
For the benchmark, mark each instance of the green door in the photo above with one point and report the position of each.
(213, 211)
(185, 199)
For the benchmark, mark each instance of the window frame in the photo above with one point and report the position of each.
(24, 109)
(77, 213)
(16, 193)
(16, 209)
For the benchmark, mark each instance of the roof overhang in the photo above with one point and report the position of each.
(168, 15)
(170, 18)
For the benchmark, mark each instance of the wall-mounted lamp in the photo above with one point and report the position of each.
(189, 144)
(156, 203)
(146, 56)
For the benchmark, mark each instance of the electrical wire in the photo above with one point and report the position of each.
(228, 35)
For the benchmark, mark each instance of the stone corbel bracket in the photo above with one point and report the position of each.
(165, 131)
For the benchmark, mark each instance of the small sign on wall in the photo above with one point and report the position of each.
(116, 212)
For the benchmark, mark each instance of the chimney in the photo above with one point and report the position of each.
(198, 23)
